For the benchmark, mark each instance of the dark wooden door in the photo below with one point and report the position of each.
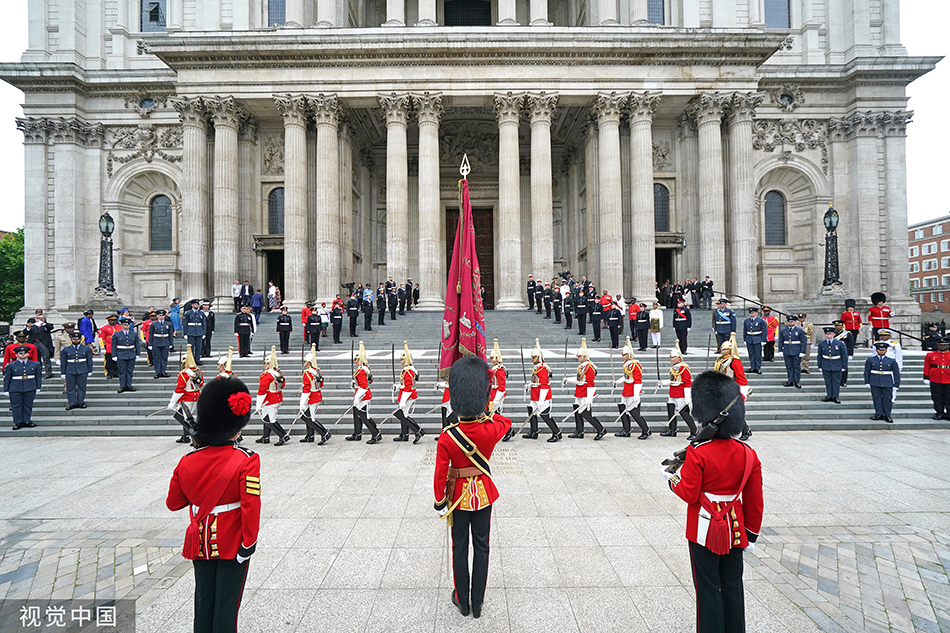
(484, 247)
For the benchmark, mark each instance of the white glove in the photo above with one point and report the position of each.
(802, 355)
(893, 394)
(570, 381)
(149, 348)
(235, 334)
(303, 401)
(89, 374)
(7, 393)
(750, 548)
(115, 358)
(441, 385)
(926, 382)
(667, 475)
(664, 383)
(744, 390)
(527, 388)
(619, 381)
(173, 401)
(63, 376)
(688, 391)
(352, 384)
(240, 559)
(260, 403)
(444, 511)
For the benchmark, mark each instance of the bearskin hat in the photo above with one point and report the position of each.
(468, 384)
(224, 407)
(850, 303)
(712, 393)
(878, 297)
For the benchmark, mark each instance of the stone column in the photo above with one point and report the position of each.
(395, 13)
(608, 15)
(395, 108)
(895, 203)
(226, 115)
(508, 113)
(507, 13)
(36, 188)
(743, 228)
(864, 130)
(293, 13)
(326, 109)
(326, 18)
(248, 193)
(541, 109)
(592, 216)
(707, 109)
(426, 18)
(346, 197)
(293, 109)
(638, 17)
(640, 109)
(176, 15)
(539, 13)
(687, 205)
(607, 109)
(195, 219)
(428, 108)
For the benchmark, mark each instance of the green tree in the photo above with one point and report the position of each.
(11, 274)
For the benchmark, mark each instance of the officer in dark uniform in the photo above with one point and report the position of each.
(846, 337)
(336, 320)
(532, 285)
(931, 338)
(392, 301)
(244, 328)
(643, 326)
(791, 343)
(75, 363)
(883, 376)
(22, 380)
(614, 322)
(682, 322)
(209, 327)
(353, 311)
(580, 311)
(125, 349)
(556, 302)
(723, 322)
(832, 360)
(569, 311)
(408, 287)
(193, 326)
(753, 333)
(538, 297)
(285, 325)
(596, 316)
(312, 328)
(367, 309)
(548, 297)
(401, 296)
(160, 335)
(381, 305)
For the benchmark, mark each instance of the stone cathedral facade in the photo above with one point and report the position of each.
(316, 142)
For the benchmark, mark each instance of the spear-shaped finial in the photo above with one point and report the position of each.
(465, 169)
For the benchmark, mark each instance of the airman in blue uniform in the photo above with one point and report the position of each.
(723, 321)
(754, 334)
(160, 337)
(75, 363)
(22, 380)
(791, 343)
(883, 376)
(194, 327)
(125, 349)
(833, 362)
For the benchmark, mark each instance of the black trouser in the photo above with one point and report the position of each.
(206, 345)
(392, 312)
(112, 367)
(850, 341)
(244, 343)
(353, 320)
(382, 317)
(479, 524)
(219, 586)
(284, 341)
(671, 416)
(614, 336)
(595, 323)
(237, 304)
(721, 337)
(940, 394)
(195, 342)
(359, 419)
(337, 329)
(588, 415)
(76, 388)
(633, 330)
(681, 337)
(314, 336)
(312, 425)
(768, 352)
(569, 319)
(538, 301)
(720, 599)
(642, 335)
(582, 323)
(368, 321)
(625, 418)
(530, 300)
(547, 310)
(402, 306)
(407, 425)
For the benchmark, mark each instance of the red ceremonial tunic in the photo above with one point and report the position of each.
(631, 369)
(9, 355)
(306, 312)
(680, 380)
(362, 382)
(499, 379)
(937, 367)
(632, 311)
(716, 467)
(271, 387)
(408, 378)
(585, 380)
(105, 335)
(221, 535)
(479, 491)
(313, 385)
(189, 384)
(879, 317)
(445, 395)
(541, 389)
(771, 330)
(606, 300)
(852, 320)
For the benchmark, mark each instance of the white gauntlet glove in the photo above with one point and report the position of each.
(688, 392)
(570, 381)
(619, 381)
(260, 403)
(303, 401)
(173, 401)
(665, 383)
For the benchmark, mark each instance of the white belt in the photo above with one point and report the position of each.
(723, 322)
(759, 332)
(830, 357)
(195, 324)
(75, 360)
(793, 342)
(125, 346)
(220, 509)
(719, 498)
(159, 335)
(244, 324)
(23, 377)
(874, 371)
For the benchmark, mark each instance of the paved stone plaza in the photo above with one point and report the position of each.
(586, 535)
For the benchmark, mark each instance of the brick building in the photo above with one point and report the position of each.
(929, 259)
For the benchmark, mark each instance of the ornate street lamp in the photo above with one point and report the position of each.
(106, 227)
(832, 277)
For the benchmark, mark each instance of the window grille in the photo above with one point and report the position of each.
(153, 16)
(467, 13)
(655, 11)
(160, 224)
(275, 212)
(775, 219)
(661, 208)
(276, 12)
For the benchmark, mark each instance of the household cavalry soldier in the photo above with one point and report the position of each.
(791, 343)
(362, 396)
(125, 349)
(833, 362)
(270, 393)
(847, 338)
(771, 332)
(105, 343)
(852, 323)
(312, 329)
(160, 334)
(680, 384)
(615, 324)
(185, 398)
(532, 284)
(311, 397)
(209, 327)
(754, 335)
(194, 327)
(682, 322)
(883, 376)
(584, 393)
(723, 321)
(730, 364)
(809, 328)
(499, 381)
(244, 328)
(540, 394)
(75, 362)
(632, 381)
(22, 380)
(224, 365)
(557, 302)
(879, 315)
(937, 377)
(407, 394)
(448, 416)
(285, 325)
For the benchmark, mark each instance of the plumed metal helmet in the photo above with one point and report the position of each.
(360, 357)
(675, 352)
(582, 350)
(222, 411)
(712, 393)
(627, 349)
(270, 361)
(536, 352)
(878, 297)
(468, 386)
(311, 357)
(730, 345)
(495, 352)
(406, 356)
(188, 362)
(224, 362)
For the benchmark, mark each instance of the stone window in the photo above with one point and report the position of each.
(914, 251)
(160, 224)
(153, 16)
(930, 264)
(276, 14)
(655, 12)
(778, 14)
(467, 13)
(775, 219)
(661, 208)
(945, 280)
(275, 212)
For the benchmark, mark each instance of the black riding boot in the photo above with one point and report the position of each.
(624, 421)
(746, 431)
(357, 427)
(689, 421)
(368, 421)
(671, 430)
(594, 422)
(555, 431)
(311, 427)
(533, 433)
(265, 435)
(403, 427)
(578, 425)
(281, 433)
(644, 428)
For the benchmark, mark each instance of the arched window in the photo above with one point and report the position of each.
(778, 14)
(153, 16)
(775, 219)
(655, 11)
(661, 208)
(276, 12)
(467, 13)
(160, 224)
(275, 212)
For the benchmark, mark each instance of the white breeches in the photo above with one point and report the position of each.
(630, 402)
(270, 412)
(406, 403)
(541, 406)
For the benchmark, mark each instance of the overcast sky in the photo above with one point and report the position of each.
(923, 24)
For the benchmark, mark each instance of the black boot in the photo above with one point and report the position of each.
(357, 427)
(624, 421)
(645, 430)
(671, 430)
(594, 422)
(403, 427)
(309, 424)
(746, 431)
(532, 434)
(368, 421)
(578, 425)
(281, 433)
(555, 432)
(689, 421)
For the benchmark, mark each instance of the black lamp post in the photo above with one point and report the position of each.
(106, 227)
(830, 221)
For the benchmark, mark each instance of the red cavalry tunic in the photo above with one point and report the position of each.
(479, 491)
(716, 468)
(224, 534)
(585, 380)
(499, 379)
(189, 384)
(362, 382)
(680, 380)
(541, 385)
(313, 385)
(937, 367)
(408, 378)
(879, 317)
(852, 320)
(771, 323)
(9, 356)
(631, 369)
(271, 387)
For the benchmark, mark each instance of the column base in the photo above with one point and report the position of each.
(540, 22)
(430, 304)
(324, 25)
(291, 25)
(511, 304)
(393, 23)
(508, 22)
(611, 23)
(427, 22)
(294, 305)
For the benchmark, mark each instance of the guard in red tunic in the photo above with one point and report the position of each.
(464, 490)
(499, 381)
(584, 393)
(220, 483)
(311, 397)
(540, 403)
(721, 480)
(185, 398)
(680, 384)
(879, 315)
(362, 396)
(632, 381)
(407, 398)
(730, 364)
(851, 319)
(937, 376)
(270, 393)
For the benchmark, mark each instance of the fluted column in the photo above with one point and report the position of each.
(508, 113)
(687, 200)
(395, 13)
(608, 13)
(35, 247)
(293, 13)
(638, 17)
(326, 18)
(176, 15)
(428, 108)
(592, 188)
(607, 109)
(395, 108)
(507, 14)
(346, 197)
(226, 115)
(195, 219)
(426, 18)
(640, 109)
(743, 228)
(539, 13)
(248, 193)
(293, 109)
(707, 108)
(541, 109)
(325, 112)
(895, 175)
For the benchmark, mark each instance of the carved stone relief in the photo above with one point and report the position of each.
(273, 163)
(145, 141)
(478, 140)
(791, 135)
(662, 156)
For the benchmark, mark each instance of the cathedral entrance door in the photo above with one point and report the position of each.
(664, 266)
(484, 246)
(275, 273)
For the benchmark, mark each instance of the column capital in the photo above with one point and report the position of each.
(708, 107)
(608, 107)
(686, 126)
(192, 111)
(34, 130)
(428, 106)
(247, 133)
(541, 107)
(395, 107)
(293, 109)
(225, 112)
(742, 106)
(642, 106)
(326, 109)
(507, 107)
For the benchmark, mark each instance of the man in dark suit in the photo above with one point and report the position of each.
(38, 333)
(75, 363)
(22, 380)
(247, 291)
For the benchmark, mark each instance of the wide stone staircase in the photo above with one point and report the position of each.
(770, 407)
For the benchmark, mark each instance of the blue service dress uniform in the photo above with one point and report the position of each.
(194, 327)
(75, 363)
(22, 380)
(791, 343)
(125, 349)
(754, 334)
(160, 341)
(724, 324)
(832, 361)
(883, 376)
